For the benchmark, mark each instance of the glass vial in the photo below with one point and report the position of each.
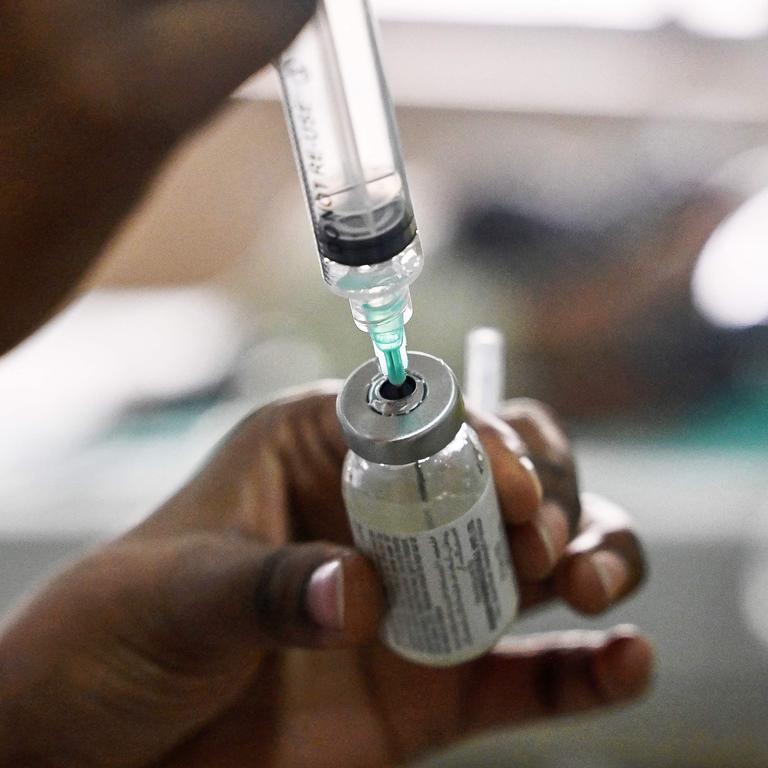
(422, 505)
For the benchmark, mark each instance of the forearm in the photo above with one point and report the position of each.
(69, 179)
(92, 98)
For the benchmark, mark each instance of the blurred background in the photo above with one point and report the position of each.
(592, 178)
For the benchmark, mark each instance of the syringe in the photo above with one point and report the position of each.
(347, 148)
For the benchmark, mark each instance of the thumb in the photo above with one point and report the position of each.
(213, 593)
(148, 638)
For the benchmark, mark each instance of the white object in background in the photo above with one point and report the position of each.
(484, 368)
(730, 282)
(108, 351)
(711, 18)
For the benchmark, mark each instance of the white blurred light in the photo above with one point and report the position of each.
(588, 13)
(737, 18)
(730, 282)
(109, 350)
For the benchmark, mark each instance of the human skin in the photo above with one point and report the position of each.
(94, 95)
(201, 637)
(208, 636)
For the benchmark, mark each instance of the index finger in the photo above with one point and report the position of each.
(517, 482)
(549, 448)
(275, 477)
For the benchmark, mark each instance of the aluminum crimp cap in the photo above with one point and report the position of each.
(407, 429)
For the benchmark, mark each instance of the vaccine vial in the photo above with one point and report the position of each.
(422, 505)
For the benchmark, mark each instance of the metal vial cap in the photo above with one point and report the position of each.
(407, 429)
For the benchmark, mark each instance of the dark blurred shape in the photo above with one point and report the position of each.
(612, 328)
(527, 244)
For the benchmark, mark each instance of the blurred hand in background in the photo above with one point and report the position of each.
(94, 94)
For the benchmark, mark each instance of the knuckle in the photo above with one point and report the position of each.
(277, 590)
(280, 590)
(628, 546)
(540, 428)
(291, 411)
(550, 450)
(532, 409)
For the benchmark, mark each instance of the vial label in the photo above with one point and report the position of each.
(451, 589)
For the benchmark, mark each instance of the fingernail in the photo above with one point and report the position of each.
(611, 571)
(325, 596)
(624, 630)
(527, 464)
(627, 667)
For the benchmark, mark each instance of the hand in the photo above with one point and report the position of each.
(93, 96)
(237, 625)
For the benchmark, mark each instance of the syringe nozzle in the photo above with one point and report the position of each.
(395, 362)
(384, 319)
(390, 348)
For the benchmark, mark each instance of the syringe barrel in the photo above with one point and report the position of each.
(346, 143)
